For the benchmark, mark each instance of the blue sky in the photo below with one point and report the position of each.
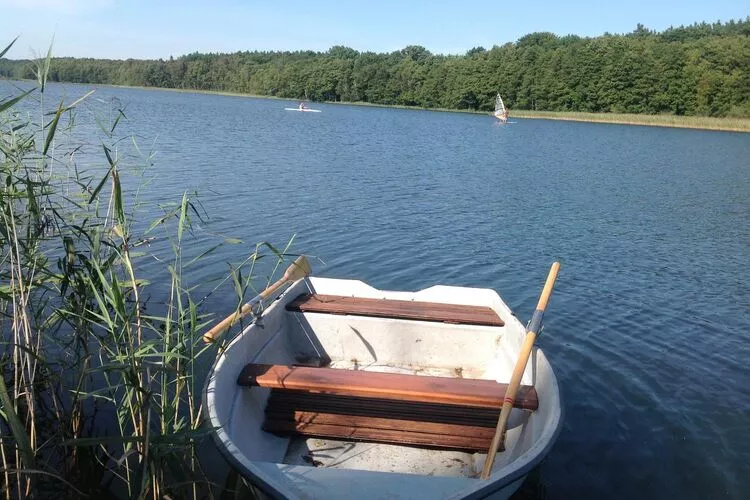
(157, 29)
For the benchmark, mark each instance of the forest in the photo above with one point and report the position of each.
(699, 70)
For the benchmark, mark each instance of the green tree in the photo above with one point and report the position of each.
(699, 69)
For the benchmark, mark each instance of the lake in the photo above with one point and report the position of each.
(649, 326)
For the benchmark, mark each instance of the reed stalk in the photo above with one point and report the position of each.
(98, 386)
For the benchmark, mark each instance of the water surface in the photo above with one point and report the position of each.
(649, 326)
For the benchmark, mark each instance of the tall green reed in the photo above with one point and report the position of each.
(98, 394)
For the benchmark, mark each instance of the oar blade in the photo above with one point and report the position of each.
(299, 269)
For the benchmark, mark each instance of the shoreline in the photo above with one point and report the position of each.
(669, 121)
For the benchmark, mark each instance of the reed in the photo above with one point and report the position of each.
(99, 387)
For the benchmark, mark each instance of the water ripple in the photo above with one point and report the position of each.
(649, 326)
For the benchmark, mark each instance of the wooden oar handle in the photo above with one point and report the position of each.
(227, 322)
(299, 269)
(515, 379)
(271, 289)
(547, 291)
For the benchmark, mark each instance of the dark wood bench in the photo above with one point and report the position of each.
(440, 412)
(398, 309)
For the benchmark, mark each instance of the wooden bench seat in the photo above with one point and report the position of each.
(439, 412)
(445, 390)
(397, 309)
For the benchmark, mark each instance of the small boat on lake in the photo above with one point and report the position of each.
(303, 108)
(340, 390)
(501, 112)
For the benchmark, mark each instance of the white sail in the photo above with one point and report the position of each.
(501, 113)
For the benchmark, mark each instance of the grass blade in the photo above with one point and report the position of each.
(99, 187)
(120, 114)
(16, 427)
(10, 102)
(117, 194)
(6, 49)
(44, 69)
(52, 128)
(183, 216)
(79, 100)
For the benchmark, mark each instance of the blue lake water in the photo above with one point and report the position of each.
(649, 326)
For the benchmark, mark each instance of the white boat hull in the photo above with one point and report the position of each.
(305, 110)
(283, 467)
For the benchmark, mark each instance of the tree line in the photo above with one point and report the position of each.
(701, 69)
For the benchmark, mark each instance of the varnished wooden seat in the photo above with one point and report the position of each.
(441, 412)
(398, 309)
(359, 383)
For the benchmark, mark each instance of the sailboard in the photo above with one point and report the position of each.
(501, 112)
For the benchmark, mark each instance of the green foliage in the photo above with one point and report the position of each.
(703, 69)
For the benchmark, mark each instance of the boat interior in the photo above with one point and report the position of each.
(462, 335)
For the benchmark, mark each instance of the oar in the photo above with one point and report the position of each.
(515, 380)
(299, 269)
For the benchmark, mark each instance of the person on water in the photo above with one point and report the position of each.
(301, 105)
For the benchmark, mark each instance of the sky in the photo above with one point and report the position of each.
(121, 29)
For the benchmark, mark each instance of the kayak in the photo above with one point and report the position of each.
(306, 110)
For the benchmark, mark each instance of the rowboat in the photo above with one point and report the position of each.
(339, 390)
